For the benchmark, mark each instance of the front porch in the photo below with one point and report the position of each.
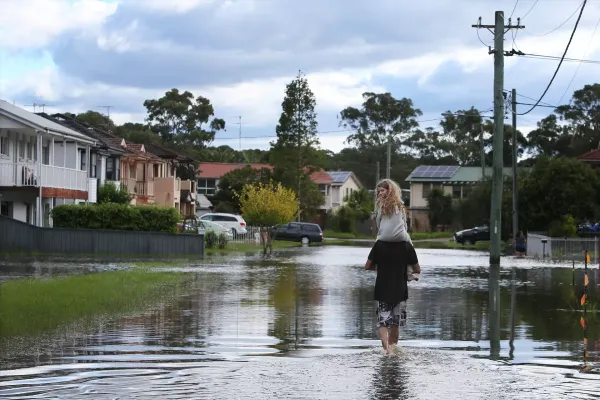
(28, 175)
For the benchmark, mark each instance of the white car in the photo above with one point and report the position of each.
(205, 226)
(234, 222)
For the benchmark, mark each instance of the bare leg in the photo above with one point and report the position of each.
(383, 333)
(393, 336)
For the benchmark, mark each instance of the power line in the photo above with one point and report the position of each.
(514, 8)
(561, 60)
(580, 62)
(559, 26)
(555, 58)
(532, 7)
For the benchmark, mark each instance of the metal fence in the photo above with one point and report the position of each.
(561, 249)
(17, 236)
(251, 237)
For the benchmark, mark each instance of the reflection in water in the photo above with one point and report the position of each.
(302, 324)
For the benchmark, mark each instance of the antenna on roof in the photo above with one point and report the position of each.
(34, 105)
(107, 116)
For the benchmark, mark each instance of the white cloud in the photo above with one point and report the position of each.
(171, 6)
(27, 24)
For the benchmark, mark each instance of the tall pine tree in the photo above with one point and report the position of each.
(295, 154)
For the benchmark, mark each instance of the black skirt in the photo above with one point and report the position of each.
(392, 260)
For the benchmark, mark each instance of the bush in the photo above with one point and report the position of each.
(109, 193)
(563, 227)
(119, 217)
(222, 240)
(346, 219)
(210, 239)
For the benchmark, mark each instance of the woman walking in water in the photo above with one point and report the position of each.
(392, 255)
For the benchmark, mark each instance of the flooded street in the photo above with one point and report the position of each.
(301, 325)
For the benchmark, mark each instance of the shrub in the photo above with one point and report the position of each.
(109, 193)
(210, 239)
(113, 216)
(563, 227)
(346, 219)
(222, 239)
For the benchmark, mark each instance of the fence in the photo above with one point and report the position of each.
(17, 236)
(561, 249)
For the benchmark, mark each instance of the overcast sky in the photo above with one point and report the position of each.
(76, 55)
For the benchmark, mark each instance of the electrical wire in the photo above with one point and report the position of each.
(561, 25)
(580, 62)
(532, 7)
(561, 60)
(514, 8)
(556, 58)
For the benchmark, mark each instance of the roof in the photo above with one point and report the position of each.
(216, 170)
(321, 178)
(68, 120)
(593, 155)
(339, 177)
(39, 122)
(460, 175)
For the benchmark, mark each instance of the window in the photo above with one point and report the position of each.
(156, 169)
(29, 149)
(94, 165)
(223, 218)
(46, 155)
(83, 160)
(112, 169)
(324, 189)
(294, 227)
(4, 146)
(466, 191)
(21, 149)
(132, 169)
(5, 208)
(456, 191)
(207, 186)
(426, 189)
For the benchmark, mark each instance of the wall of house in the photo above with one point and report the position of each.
(18, 201)
(164, 192)
(347, 188)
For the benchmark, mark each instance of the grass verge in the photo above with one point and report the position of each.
(250, 247)
(32, 306)
(418, 245)
(415, 235)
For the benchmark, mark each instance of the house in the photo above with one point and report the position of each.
(343, 184)
(170, 190)
(455, 180)
(105, 162)
(42, 164)
(591, 157)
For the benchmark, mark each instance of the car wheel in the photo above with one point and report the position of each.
(305, 240)
(471, 242)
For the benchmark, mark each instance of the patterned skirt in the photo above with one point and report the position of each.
(389, 314)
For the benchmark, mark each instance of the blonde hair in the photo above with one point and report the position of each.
(392, 199)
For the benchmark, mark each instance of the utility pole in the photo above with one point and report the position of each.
(482, 152)
(376, 179)
(515, 185)
(388, 167)
(497, 164)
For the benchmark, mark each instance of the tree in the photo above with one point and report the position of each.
(440, 208)
(549, 139)
(295, 155)
(234, 182)
(583, 115)
(109, 193)
(556, 187)
(137, 133)
(362, 203)
(266, 205)
(97, 120)
(178, 117)
(382, 118)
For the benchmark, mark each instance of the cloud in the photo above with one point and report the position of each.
(241, 54)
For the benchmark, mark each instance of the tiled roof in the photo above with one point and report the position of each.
(216, 170)
(593, 155)
(321, 178)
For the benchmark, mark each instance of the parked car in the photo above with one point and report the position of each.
(473, 235)
(298, 232)
(588, 230)
(235, 222)
(205, 226)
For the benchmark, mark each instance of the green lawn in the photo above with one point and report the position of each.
(233, 247)
(415, 235)
(418, 245)
(31, 306)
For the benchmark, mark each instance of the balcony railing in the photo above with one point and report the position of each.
(26, 174)
(144, 188)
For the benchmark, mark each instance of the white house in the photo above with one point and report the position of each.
(343, 184)
(42, 164)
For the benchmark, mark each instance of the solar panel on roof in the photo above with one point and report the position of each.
(431, 171)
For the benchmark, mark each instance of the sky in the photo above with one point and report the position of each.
(78, 55)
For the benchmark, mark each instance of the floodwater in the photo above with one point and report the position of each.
(301, 325)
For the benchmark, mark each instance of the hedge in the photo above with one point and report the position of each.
(113, 216)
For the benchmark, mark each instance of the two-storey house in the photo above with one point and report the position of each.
(42, 164)
(343, 184)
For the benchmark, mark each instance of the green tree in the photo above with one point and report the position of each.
(233, 182)
(557, 187)
(182, 119)
(266, 206)
(440, 208)
(295, 155)
(362, 203)
(109, 193)
(583, 115)
(137, 133)
(97, 120)
(382, 118)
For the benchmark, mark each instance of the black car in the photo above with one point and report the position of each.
(298, 232)
(473, 235)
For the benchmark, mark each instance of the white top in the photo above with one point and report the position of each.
(392, 228)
